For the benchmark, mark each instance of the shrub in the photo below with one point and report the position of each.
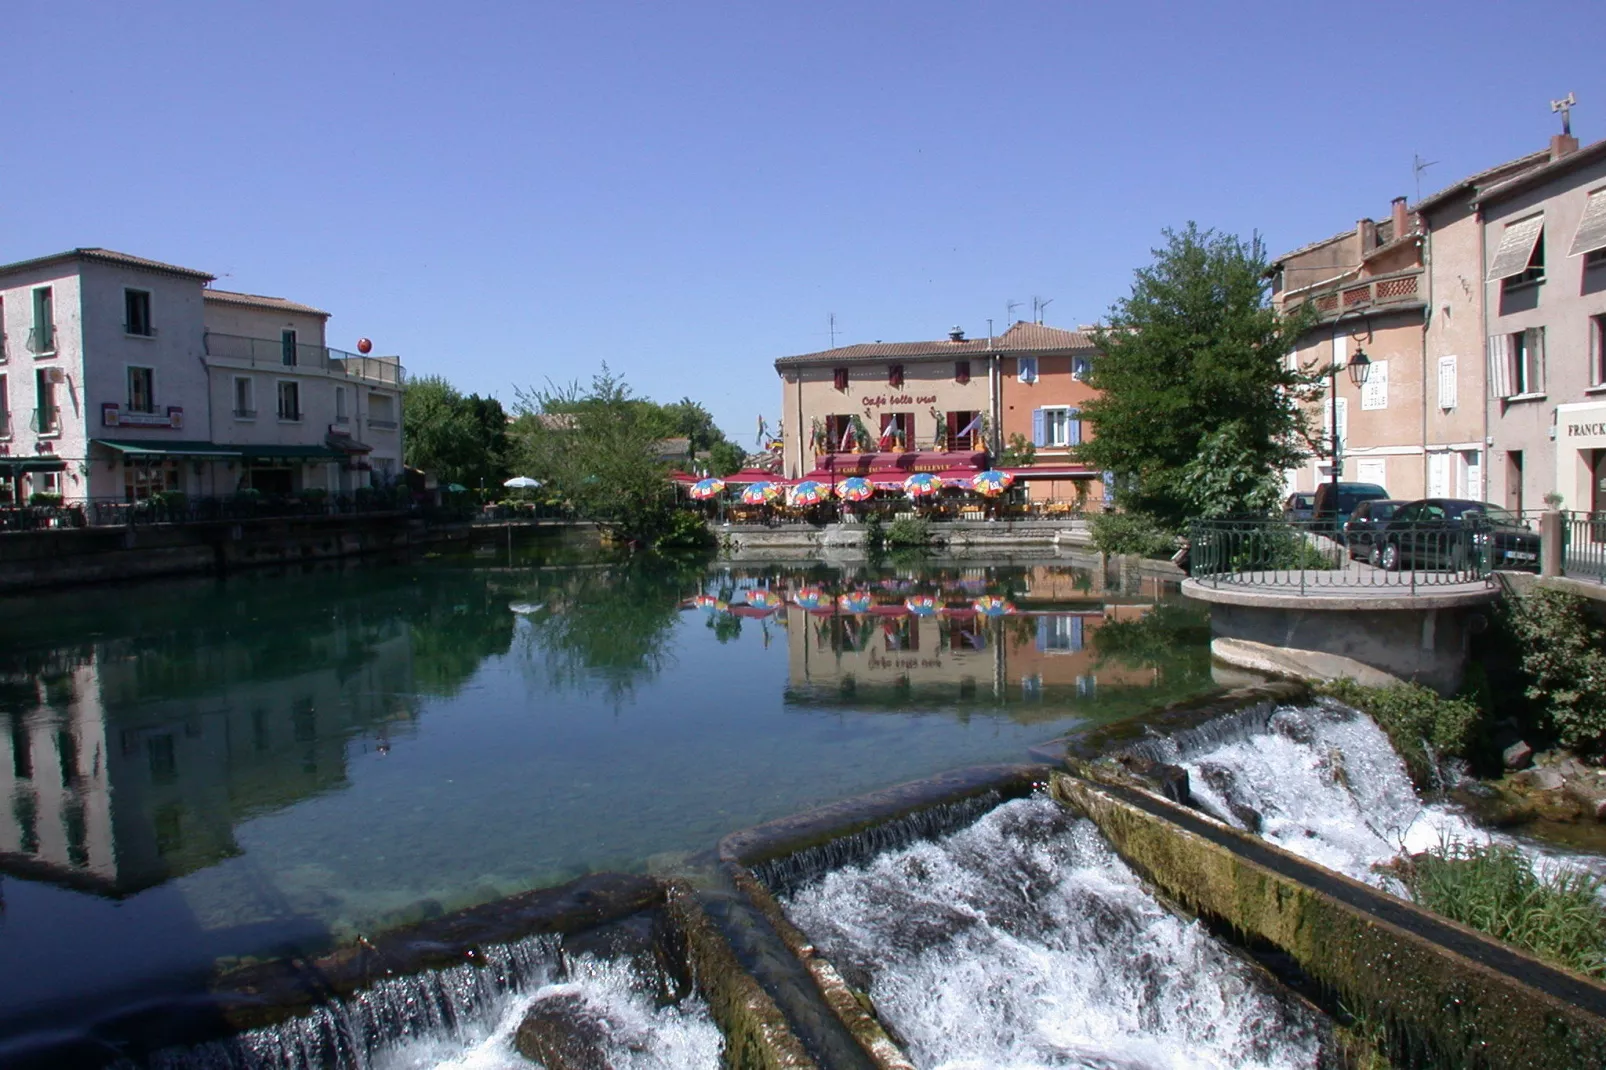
(1130, 533)
(313, 494)
(1423, 727)
(908, 531)
(44, 500)
(1563, 665)
(687, 531)
(875, 532)
(1493, 888)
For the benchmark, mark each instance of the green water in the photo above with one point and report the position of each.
(199, 769)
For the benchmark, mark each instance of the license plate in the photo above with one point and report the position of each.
(1519, 555)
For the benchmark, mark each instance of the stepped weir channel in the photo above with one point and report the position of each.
(1195, 886)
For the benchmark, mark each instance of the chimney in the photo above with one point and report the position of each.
(956, 335)
(1562, 145)
(1366, 235)
(1397, 216)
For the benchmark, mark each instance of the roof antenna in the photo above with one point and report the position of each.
(1039, 306)
(830, 321)
(1418, 164)
(1565, 106)
(1009, 311)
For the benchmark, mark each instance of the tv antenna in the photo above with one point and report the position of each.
(1009, 311)
(830, 322)
(1039, 306)
(1418, 165)
(1565, 106)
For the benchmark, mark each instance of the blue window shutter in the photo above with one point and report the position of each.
(1037, 427)
(1042, 633)
(1076, 633)
(1073, 427)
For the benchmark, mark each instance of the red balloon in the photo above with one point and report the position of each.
(364, 345)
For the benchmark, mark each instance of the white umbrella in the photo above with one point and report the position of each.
(522, 483)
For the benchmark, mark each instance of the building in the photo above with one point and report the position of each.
(122, 377)
(889, 409)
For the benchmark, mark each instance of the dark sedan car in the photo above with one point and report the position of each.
(1363, 525)
(1457, 534)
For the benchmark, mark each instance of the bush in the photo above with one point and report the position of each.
(687, 531)
(1563, 666)
(875, 532)
(1130, 533)
(49, 501)
(908, 531)
(1493, 888)
(1423, 728)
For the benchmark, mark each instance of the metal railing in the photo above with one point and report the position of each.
(1583, 544)
(1311, 555)
(45, 421)
(382, 425)
(42, 340)
(274, 353)
(182, 509)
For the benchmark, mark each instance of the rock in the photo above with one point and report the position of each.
(1224, 783)
(1170, 781)
(1518, 756)
(1545, 779)
(564, 1032)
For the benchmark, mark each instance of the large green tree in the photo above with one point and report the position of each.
(1199, 412)
(458, 438)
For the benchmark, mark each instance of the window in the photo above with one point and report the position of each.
(1590, 238)
(245, 397)
(141, 390)
(137, 313)
(1056, 427)
(1375, 394)
(1535, 270)
(839, 378)
(1343, 424)
(381, 412)
(1518, 249)
(1597, 350)
(1060, 632)
(1080, 367)
(961, 371)
(1026, 369)
(1447, 383)
(5, 410)
(289, 400)
(839, 437)
(895, 375)
(42, 336)
(964, 430)
(897, 431)
(340, 405)
(1517, 363)
(143, 481)
(287, 347)
(47, 419)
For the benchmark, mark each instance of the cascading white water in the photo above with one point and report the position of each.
(1022, 941)
(1324, 782)
(465, 1018)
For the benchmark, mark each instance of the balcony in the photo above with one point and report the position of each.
(273, 353)
(382, 424)
(1400, 289)
(46, 421)
(42, 340)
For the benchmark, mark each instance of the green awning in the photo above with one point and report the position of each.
(16, 465)
(158, 448)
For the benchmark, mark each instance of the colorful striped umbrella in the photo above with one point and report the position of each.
(921, 485)
(811, 598)
(855, 602)
(855, 489)
(704, 489)
(763, 598)
(759, 493)
(709, 604)
(921, 605)
(808, 492)
(991, 605)
(991, 482)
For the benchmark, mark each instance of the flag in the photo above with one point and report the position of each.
(847, 435)
(762, 427)
(970, 428)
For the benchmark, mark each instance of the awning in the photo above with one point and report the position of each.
(1053, 471)
(1592, 227)
(290, 453)
(159, 448)
(1516, 247)
(347, 444)
(18, 465)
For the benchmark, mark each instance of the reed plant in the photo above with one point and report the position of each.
(1556, 914)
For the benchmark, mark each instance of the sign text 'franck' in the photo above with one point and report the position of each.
(896, 399)
(1581, 430)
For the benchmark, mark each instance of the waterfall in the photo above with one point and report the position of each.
(784, 874)
(1023, 941)
(465, 1018)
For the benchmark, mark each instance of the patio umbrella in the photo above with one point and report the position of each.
(759, 493)
(522, 483)
(763, 598)
(855, 489)
(991, 605)
(456, 488)
(922, 485)
(704, 489)
(855, 602)
(707, 601)
(811, 598)
(807, 492)
(991, 482)
(921, 605)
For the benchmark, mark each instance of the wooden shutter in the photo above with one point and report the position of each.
(1037, 428)
(1534, 352)
(1597, 350)
(1501, 374)
(1591, 233)
(1447, 384)
(1516, 249)
(1073, 427)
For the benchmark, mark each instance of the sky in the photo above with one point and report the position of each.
(511, 194)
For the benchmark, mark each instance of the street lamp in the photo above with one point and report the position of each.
(1360, 366)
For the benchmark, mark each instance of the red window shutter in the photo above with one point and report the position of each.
(895, 375)
(840, 375)
(961, 371)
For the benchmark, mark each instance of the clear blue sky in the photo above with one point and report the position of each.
(506, 193)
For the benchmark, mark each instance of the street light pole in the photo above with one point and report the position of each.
(1360, 366)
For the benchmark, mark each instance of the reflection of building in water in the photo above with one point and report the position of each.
(131, 762)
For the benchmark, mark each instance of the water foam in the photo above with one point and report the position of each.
(1023, 942)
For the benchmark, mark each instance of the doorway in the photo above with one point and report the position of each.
(1514, 481)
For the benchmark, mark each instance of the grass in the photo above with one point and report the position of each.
(1423, 727)
(1493, 888)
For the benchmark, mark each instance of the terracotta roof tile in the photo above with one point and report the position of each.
(1022, 337)
(229, 297)
(109, 256)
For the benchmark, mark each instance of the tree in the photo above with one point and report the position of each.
(1192, 375)
(459, 439)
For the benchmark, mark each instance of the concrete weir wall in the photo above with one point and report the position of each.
(59, 558)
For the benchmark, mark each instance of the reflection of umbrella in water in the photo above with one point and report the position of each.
(808, 492)
(922, 485)
(456, 488)
(759, 493)
(811, 598)
(524, 609)
(763, 598)
(991, 482)
(704, 489)
(709, 603)
(855, 602)
(522, 483)
(855, 489)
(993, 606)
(921, 605)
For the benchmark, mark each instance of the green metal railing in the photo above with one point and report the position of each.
(1312, 555)
(274, 353)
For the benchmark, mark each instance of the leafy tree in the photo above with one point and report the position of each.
(459, 439)
(1019, 453)
(1195, 355)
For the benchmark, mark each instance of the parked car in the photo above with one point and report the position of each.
(1369, 518)
(1301, 505)
(1455, 533)
(1336, 501)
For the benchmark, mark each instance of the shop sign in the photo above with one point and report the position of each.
(882, 400)
(111, 415)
